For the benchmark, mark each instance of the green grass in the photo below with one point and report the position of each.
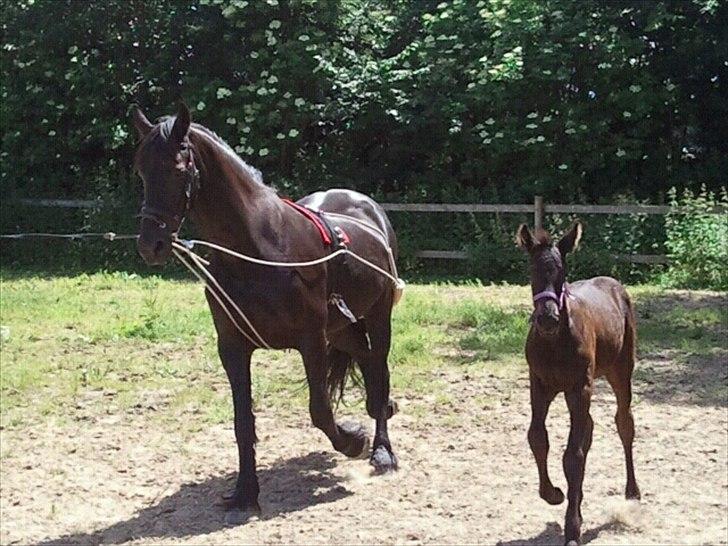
(120, 342)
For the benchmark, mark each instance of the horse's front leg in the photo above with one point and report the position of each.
(348, 438)
(578, 401)
(538, 439)
(244, 498)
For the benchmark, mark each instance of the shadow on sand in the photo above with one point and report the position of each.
(681, 356)
(195, 509)
(553, 534)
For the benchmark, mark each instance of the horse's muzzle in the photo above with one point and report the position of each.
(155, 250)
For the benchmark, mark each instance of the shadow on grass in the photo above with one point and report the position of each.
(195, 509)
(553, 534)
(682, 346)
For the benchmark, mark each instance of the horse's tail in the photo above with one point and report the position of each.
(340, 366)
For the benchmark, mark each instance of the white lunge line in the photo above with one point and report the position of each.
(185, 245)
(192, 256)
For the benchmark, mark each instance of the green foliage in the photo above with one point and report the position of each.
(697, 241)
(479, 101)
(574, 100)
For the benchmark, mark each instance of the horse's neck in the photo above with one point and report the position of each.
(230, 207)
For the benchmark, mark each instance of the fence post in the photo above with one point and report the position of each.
(538, 211)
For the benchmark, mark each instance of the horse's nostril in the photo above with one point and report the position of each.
(158, 247)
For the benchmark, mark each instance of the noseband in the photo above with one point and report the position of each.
(164, 218)
(549, 295)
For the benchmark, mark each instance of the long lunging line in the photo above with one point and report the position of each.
(186, 245)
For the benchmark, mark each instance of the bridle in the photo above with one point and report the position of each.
(551, 295)
(164, 219)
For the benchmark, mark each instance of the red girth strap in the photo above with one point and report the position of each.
(315, 219)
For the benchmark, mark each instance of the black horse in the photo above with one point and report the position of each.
(189, 171)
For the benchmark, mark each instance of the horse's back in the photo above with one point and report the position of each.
(352, 203)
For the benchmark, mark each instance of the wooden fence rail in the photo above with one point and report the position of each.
(539, 209)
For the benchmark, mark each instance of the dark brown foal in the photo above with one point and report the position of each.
(579, 332)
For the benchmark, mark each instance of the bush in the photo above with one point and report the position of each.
(697, 240)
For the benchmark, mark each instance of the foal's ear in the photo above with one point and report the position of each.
(141, 123)
(570, 241)
(524, 238)
(181, 124)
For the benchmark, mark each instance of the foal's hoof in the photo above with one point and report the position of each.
(572, 543)
(383, 460)
(238, 516)
(554, 496)
(633, 493)
(229, 495)
(357, 441)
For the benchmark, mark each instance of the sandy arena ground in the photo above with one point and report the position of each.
(470, 478)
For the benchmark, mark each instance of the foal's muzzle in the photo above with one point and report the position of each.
(547, 321)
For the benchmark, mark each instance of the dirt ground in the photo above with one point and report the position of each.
(468, 478)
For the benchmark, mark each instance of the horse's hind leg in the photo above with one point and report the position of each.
(620, 379)
(375, 370)
(347, 438)
(621, 382)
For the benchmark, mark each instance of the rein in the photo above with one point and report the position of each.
(551, 295)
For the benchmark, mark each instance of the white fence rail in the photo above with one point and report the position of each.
(538, 208)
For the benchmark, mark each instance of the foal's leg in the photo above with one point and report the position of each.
(538, 439)
(347, 438)
(578, 400)
(622, 387)
(375, 370)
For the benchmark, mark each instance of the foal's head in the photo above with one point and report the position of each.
(548, 272)
(165, 163)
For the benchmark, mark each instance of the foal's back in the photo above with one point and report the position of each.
(601, 311)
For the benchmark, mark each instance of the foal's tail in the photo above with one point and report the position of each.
(341, 366)
(630, 332)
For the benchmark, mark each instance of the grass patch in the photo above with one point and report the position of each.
(120, 342)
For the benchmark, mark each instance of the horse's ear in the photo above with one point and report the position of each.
(141, 123)
(181, 124)
(570, 241)
(524, 238)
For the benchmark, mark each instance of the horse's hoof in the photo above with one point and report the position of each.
(572, 543)
(233, 500)
(356, 437)
(555, 496)
(383, 460)
(238, 516)
(392, 408)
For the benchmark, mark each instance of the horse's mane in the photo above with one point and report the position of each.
(165, 129)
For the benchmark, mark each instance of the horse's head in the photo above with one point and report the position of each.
(548, 272)
(166, 164)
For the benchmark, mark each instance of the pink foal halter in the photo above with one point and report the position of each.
(548, 294)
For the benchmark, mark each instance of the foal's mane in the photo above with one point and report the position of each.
(541, 239)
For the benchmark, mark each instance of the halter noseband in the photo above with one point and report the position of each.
(550, 295)
(164, 218)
